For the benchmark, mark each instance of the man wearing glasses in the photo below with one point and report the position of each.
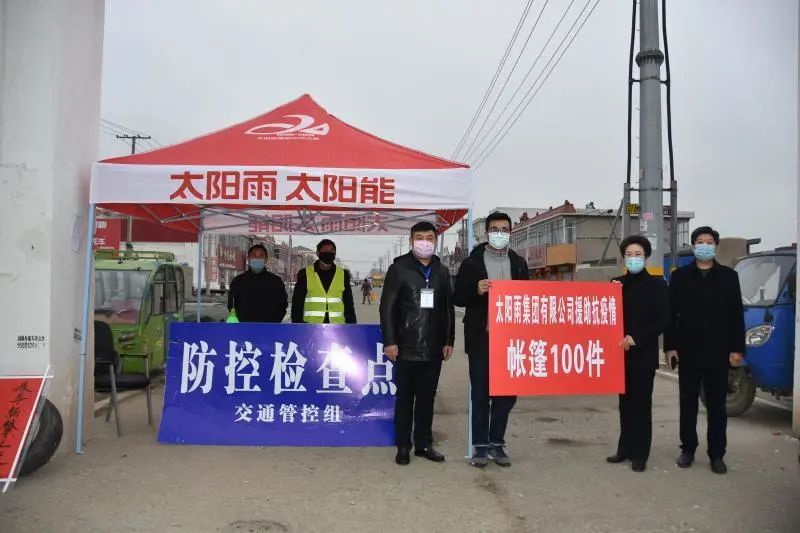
(488, 261)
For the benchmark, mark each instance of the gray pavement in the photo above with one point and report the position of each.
(559, 480)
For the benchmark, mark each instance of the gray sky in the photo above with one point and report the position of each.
(413, 71)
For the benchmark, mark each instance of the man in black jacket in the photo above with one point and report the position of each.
(418, 328)
(258, 295)
(492, 260)
(706, 334)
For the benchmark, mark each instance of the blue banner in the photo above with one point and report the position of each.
(277, 385)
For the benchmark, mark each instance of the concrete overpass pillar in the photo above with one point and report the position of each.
(50, 62)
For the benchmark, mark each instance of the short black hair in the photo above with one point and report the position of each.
(705, 230)
(325, 242)
(258, 247)
(498, 216)
(636, 239)
(422, 227)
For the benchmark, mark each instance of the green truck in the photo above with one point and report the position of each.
(138, 294)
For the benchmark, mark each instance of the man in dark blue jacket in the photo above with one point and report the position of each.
(706, 335)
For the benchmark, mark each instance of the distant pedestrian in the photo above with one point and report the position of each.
(645, 304)
(366, 292)
(707, 337)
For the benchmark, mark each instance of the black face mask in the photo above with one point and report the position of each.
(327, 257)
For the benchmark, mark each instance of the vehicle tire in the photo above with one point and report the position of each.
(741, 392)
(46, 441)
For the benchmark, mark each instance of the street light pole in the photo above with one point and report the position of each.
(651, 186)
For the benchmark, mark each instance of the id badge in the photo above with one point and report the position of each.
(426, 298)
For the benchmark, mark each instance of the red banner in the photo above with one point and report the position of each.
(551, 337)
(107, 234)
(18, 397)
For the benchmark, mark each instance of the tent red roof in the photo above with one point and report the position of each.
(296, 138)
(327, 142)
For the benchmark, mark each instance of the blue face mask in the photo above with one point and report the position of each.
(257, 265)
(634, 264)
(705, 252)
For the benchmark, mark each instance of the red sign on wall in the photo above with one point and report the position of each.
(550, 338)
(107, 233)
(18, 398)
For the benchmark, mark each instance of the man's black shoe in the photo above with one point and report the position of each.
(498, 453)
(718, 466)
(616, 458)
(639, 466)
(685, 460)
(481, 457)
(430, 454)
(403, 456)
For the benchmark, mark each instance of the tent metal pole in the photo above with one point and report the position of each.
(200, 236)
(289, 263)
(470, 244)
(87, 293)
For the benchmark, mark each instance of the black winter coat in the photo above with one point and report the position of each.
(420, 334)
(707, 316)
(258, 297)
(645, 305)
(476, 314)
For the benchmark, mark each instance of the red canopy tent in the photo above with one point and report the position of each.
(295, 169)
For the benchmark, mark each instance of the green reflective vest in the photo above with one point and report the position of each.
(318, 302)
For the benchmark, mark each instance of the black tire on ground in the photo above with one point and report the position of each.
(741, 392)
(46, 441)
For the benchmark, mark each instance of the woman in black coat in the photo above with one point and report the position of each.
(645, 304)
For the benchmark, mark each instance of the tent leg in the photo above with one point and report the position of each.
(289, 273)
(87, 293)
(470, 244)
(199, 272)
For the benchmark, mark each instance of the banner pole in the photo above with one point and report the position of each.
(84, 346)
(470, 245)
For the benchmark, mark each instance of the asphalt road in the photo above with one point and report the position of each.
(559, 480)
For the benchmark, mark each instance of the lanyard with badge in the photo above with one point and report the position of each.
(426, 294)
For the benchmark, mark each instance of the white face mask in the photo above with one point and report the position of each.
(423, 249)
(499, 240)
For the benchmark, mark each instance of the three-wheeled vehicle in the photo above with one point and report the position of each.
(138, 294)
(769, 293)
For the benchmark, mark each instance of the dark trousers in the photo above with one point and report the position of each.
(416, 390)
(489, 413)
(714, 381)
(636, 414)
(365, 298)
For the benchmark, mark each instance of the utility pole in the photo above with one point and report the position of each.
(133, 139)
(651, 186)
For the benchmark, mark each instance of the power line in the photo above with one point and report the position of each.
(480, 156)
(521, 21)
(120, 127)
(122, 132)
(518, 115)
(508, 78)
(527, 74)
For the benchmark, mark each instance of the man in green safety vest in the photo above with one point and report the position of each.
(323, 293)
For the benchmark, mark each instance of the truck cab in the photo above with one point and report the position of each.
(139, 294)
(769, 295)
